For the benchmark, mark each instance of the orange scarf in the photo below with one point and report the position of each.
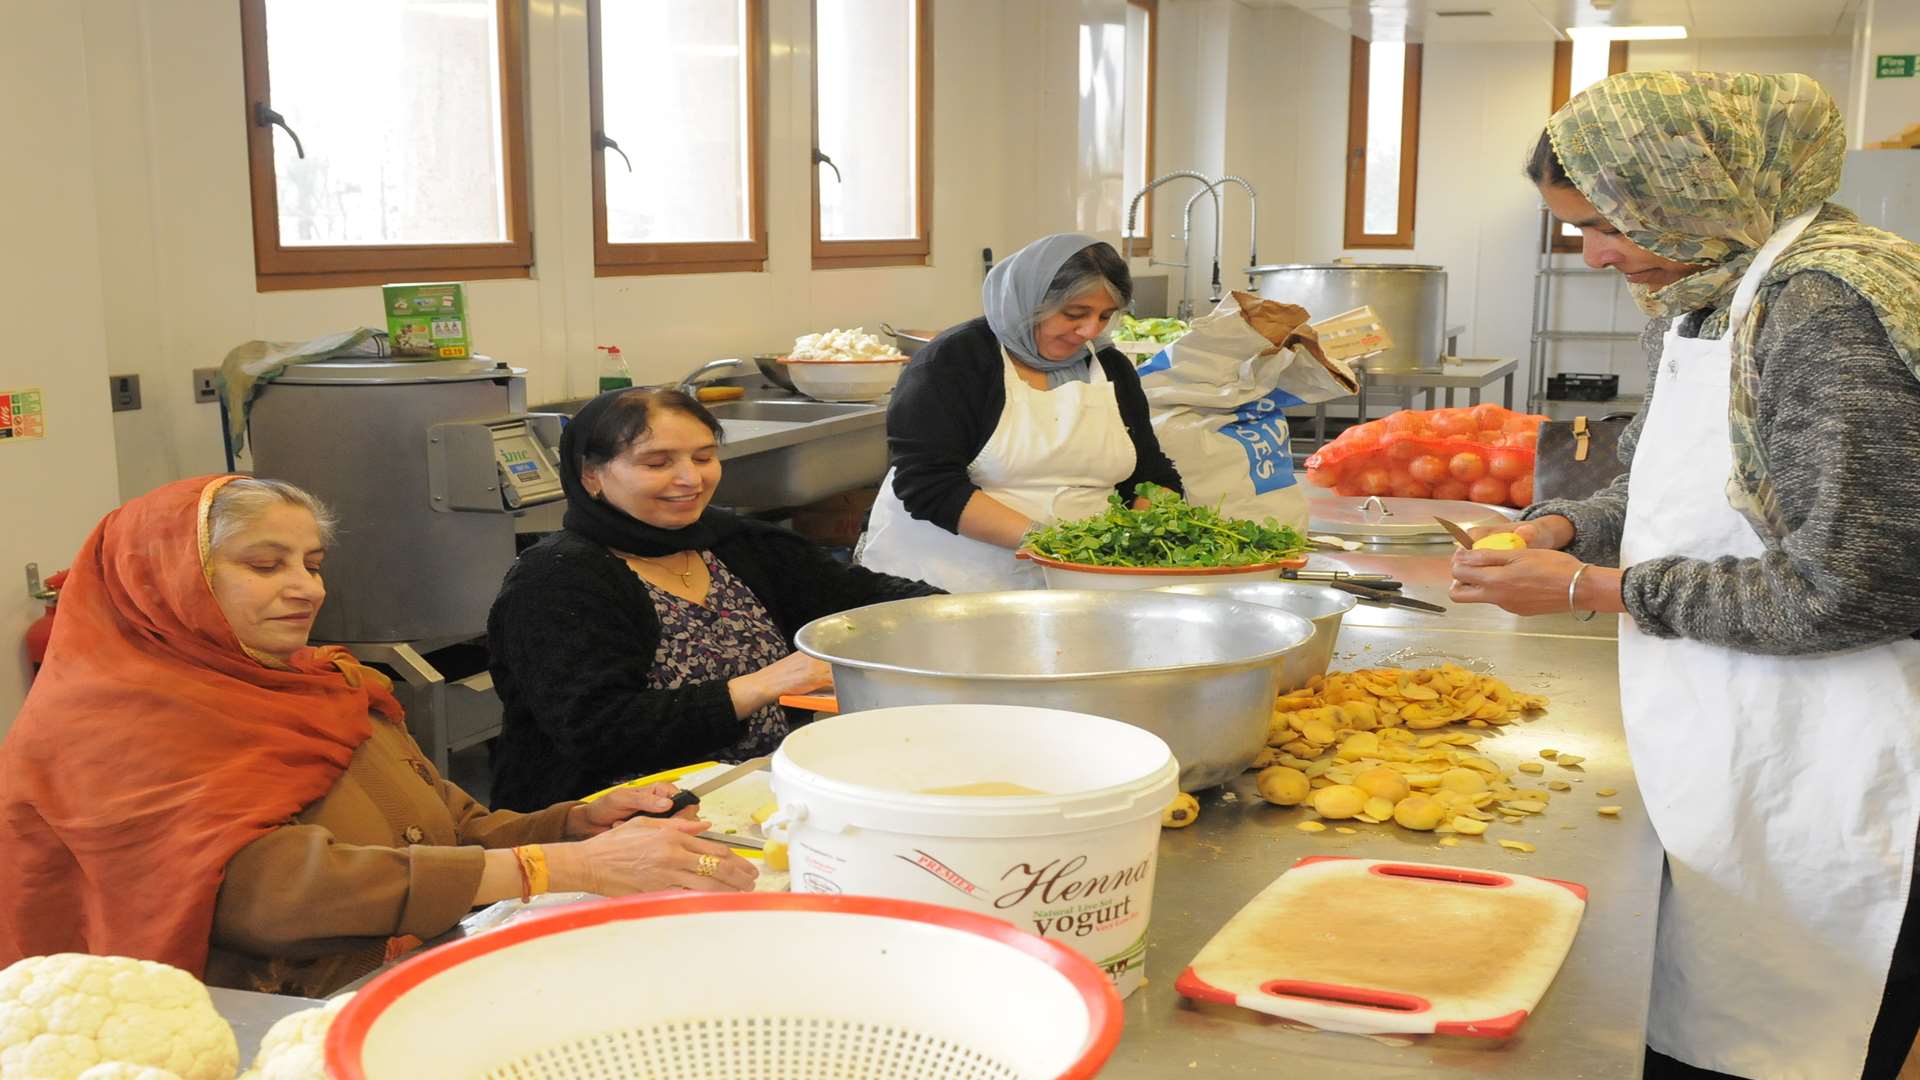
(153, 746)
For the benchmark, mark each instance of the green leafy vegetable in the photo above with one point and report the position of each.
(1159, 331)
(1169, 532)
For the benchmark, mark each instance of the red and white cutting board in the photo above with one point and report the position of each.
(1378, 948)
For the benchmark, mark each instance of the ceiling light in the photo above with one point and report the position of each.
(1627, 33)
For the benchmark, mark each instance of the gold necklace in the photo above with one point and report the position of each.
(686, 576)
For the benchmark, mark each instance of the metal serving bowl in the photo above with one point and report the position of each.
(1200, 673)
(1319, 605)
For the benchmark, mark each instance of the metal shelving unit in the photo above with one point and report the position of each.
(1545, 336)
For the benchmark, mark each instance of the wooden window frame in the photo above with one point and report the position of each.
(278, 267)
(700, 257)
(1142, 245)
(914, 251)
(1356, 235)
(1562, 90)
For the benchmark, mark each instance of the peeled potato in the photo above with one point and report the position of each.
(1421, 813)
(761, 815)
(1283, 786)
(775, 855)
(1464, 781)
(1378, 809)
(1183, 811)
(1339, 801)
(1383, 783)
(1504, 541)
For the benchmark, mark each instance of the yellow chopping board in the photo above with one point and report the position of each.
(1376, 947)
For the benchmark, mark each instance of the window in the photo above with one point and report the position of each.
(1576, 66)
(417, 173)
(1383, 143)
(1143, 68)
(872, 94)
(1101, 101)
(678, 94)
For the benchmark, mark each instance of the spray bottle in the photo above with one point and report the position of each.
(613, 369)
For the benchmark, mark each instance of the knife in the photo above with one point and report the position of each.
(1386, 596)
(1377, 581)
(691, 796)
(1460, 535)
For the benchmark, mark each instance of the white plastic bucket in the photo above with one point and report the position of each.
(1074, 865)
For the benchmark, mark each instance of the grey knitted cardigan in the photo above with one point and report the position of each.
(1839, 417)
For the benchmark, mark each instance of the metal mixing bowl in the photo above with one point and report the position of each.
(1200, 673)
(769, 365)
(1319, 605)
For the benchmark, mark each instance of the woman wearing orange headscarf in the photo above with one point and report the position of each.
(189, 782)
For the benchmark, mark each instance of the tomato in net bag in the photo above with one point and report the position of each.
(1484, 453)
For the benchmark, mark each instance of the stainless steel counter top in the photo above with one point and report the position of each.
(1592, 1021)
(250, 1014)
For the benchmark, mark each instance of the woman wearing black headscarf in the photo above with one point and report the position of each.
(653, 630)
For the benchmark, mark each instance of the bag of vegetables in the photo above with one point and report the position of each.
(1219, 395)
(1482, 454)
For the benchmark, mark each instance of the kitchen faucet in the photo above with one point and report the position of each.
(687, 385)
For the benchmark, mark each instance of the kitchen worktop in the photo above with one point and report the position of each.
(1592, 1021)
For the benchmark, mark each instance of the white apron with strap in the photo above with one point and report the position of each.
(1781, 787)
(1054, 456)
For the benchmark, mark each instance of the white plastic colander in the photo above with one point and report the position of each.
(735, 987)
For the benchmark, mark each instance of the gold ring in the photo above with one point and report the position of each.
(708, 864)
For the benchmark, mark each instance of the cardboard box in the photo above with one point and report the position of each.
(428, 321)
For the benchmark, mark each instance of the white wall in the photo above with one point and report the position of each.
(50, 303)
(177, 244)
(1482, 107)
(1884, 107)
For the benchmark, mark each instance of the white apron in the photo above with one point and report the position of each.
(1781, 787)
(1054, 456)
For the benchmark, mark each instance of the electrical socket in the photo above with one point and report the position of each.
(206, 384)
(125, 391)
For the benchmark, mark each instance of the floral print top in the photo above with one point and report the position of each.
(728, 636)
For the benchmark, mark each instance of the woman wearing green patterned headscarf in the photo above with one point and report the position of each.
(1764, 548)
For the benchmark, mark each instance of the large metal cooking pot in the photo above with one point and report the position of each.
(1200, 673)
(1411, 302)
(1319, 605)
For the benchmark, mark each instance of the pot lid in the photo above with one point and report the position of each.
(1378, 520)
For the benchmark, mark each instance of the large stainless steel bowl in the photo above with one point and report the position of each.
(1319, 605)
(1200, 673)
(1410, 301)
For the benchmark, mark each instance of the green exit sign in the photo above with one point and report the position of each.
(1894, 67)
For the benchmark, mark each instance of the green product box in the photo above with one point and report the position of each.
(428, 321)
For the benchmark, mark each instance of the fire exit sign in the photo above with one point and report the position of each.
(1894, 67)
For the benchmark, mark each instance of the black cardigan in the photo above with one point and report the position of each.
(573, 635)
(947, 404)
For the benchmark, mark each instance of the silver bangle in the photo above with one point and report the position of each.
(1573, 585)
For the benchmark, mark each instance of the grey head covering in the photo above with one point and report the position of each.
(1012, 295)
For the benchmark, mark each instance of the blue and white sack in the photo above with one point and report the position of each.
(1219, 397)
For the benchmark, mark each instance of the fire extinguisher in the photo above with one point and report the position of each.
(41, 632)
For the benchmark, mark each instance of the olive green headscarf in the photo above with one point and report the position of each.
(1702, 167)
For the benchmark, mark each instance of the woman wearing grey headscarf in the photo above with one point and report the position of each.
(1021, 418)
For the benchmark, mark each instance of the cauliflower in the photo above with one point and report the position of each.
(120, 1070)
(295, 1047)
(854, 344)
(72, 1015)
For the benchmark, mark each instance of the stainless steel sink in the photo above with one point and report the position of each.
(785, 410)
(778, 452)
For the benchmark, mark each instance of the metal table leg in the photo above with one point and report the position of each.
(1508, 389)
